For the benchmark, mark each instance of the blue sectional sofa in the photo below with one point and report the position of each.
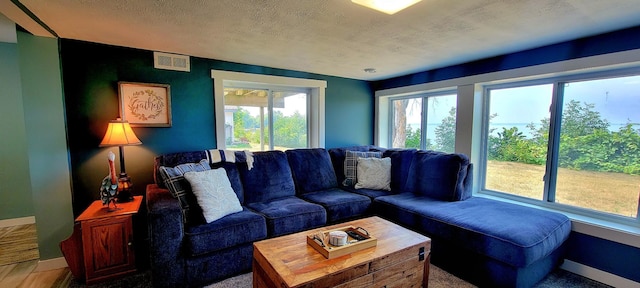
(486, 242)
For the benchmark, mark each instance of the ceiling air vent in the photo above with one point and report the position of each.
(171, 61)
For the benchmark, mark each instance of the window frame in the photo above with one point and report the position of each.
(315, 103)
(553, 146)
(484, 143)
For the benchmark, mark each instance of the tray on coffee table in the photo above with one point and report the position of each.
(320, 242)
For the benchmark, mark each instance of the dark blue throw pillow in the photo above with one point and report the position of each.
(438, 175)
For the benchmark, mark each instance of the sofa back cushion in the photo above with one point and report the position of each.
(312, 169)
(439, 175)
(234, 177)
(400, 164)
(269, 178)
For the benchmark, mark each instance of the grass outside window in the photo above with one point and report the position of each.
(614, 193)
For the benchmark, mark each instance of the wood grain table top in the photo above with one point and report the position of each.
(97, 210)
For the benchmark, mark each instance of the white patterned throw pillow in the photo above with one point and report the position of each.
(214, 193)
(374, 173)
(351, 163)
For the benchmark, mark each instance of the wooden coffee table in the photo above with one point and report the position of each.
(400, 259)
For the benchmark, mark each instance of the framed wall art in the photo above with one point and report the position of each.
(144, 104)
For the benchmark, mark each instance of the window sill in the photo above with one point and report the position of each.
(608, 230)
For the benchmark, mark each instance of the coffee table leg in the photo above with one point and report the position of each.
(425, 277)
(260, 277)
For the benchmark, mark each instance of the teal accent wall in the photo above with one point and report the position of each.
(15, 185)
(91, 73)
(349, 116)
(46, 141)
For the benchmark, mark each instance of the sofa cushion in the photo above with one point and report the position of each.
(351, 165)
(371, 193)
(229, 231)
(311, 169)
(401, 163)
(374, 173)
(438, 175)
(179, 187)
(340, 204)
(289, 214)
(270, 178)
(510, 233)
(214, 193)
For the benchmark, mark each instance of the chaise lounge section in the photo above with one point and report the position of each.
(487, 242)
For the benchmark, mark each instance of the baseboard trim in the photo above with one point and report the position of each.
(51, 264)
(17, 221)
(598, 275)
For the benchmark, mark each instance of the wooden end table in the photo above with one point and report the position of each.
(400, 259)
(101, 246)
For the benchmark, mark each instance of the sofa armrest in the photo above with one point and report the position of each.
(166, 233)
(160, 201)
(466, 185)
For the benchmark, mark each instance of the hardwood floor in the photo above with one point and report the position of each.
(18, 244)
(19, 258)
(21, 275)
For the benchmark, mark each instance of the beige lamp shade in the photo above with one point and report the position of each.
(119, 133)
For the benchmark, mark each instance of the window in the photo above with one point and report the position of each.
(599, 145)
(263, 112)
(423, 122)
(516, 149)
(249, 112)
(574, 142)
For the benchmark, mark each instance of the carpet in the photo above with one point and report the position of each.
(438, 278)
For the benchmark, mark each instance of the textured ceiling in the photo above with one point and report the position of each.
(335, 37)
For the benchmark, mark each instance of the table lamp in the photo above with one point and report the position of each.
(119, 133)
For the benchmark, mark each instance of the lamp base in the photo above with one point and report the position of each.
(124, 196)
(124, 188)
